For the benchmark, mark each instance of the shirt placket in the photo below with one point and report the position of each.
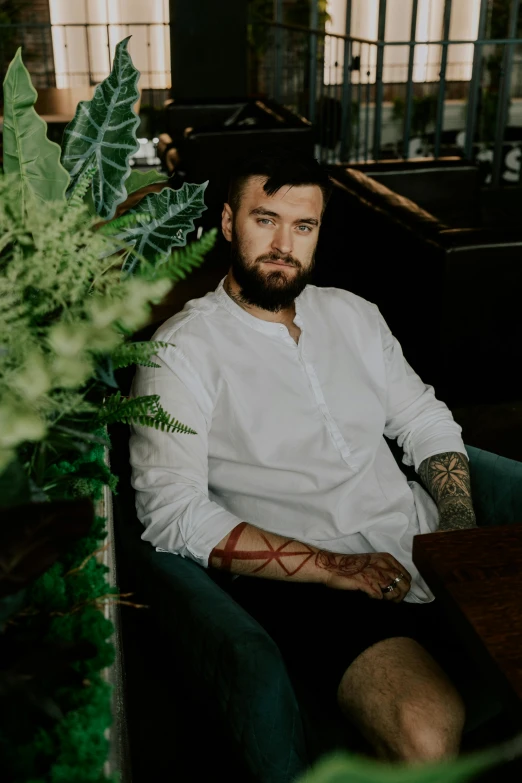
(313, 381)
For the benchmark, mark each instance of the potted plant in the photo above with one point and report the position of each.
(75, 284)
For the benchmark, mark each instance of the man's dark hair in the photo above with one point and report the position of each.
(280, 167)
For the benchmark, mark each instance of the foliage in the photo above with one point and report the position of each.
(64, 307)
(184, 260)
(142, 179)
(261, 11)
(260, 34)
(42, 533)
(27, 150)
(343, 768)
(424, 113)
(67, 311)
(297, 13)
(142, 410)
(103, 133)
(54, 702)
(172, 215)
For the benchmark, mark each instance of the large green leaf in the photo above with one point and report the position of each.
(103, 133)
(344, 768)
(172, 216)
(28, 153)
(142, 179)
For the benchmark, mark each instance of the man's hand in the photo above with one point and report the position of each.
(367, 572)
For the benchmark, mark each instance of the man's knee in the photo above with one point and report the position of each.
(403, 702)
(427, 728)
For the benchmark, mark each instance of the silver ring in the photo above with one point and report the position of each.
(393, 584)
(389, 588)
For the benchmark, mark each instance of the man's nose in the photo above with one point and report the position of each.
(282, 240)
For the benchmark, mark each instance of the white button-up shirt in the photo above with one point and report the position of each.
(289, 436)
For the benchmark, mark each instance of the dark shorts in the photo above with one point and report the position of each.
(321, 631)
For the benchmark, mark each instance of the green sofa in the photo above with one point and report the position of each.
(231, 663)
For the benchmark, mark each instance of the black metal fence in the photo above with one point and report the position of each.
(80, 55)
(369, 104)
(368, 99)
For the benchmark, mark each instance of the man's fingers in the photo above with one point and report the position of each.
(391, 564)
(400, 589)
(371, 588)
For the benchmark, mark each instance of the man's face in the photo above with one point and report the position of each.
(273, 242)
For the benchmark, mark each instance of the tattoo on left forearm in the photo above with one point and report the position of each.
(446, 477)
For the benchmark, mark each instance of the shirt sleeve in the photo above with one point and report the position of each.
(422, 424)
(170, 470)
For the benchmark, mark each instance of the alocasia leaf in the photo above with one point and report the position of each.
(103, 133)
(142, 179)
(172, 216)
(28, 153)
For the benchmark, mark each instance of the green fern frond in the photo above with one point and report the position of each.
(136, 353)
(167, 423)
(145, 410)
(124, 221)
(185, 259)
(117, 408)
(82, 186)
(171, 426)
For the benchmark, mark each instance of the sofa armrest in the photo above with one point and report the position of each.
(230, 657)
(496, 487)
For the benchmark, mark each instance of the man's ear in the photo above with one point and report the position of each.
(226, 222)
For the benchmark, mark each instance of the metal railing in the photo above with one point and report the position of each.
(80, 55)
(367, 104)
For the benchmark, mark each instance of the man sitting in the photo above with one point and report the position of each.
(289, 479)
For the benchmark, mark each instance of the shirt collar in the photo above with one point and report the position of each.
(266, 327)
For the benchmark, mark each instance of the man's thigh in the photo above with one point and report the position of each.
(321, 632)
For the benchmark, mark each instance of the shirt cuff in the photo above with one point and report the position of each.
(437, 445)
(202, 541)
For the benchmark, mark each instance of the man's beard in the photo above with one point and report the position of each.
(274, 291)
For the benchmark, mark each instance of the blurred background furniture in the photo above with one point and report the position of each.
(449, 293)
(209, 135)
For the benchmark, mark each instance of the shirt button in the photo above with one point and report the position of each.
(281, 328)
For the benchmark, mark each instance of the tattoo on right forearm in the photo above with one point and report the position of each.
(291, 556)
(344, 565)
(303, 554)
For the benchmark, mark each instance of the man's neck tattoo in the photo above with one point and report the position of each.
(236, 297)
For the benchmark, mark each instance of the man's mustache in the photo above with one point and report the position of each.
(277, 257)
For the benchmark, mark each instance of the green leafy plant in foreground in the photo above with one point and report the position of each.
(67, 311)
(66, 307)
(28, 154)
(344, 768)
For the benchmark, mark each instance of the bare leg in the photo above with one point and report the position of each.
(403, 703)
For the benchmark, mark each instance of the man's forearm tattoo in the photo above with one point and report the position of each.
(457, 515)
(344, 565)
(268, 555)
(446, 477)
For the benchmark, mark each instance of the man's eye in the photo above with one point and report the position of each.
(307, 229)
(264, 221)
